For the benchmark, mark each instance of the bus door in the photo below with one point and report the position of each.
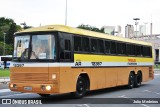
(66, 47)
(66, 60)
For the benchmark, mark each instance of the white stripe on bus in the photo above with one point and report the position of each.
(83, 64)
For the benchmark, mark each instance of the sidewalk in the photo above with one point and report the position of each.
(156, 70)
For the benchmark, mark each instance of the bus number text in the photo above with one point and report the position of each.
(78, 64)
(96, 63)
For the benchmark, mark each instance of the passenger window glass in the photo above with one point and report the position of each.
(93, 45)
(66, 53)
(113, 47)
(67, 45)
(107, 47)
(100, 46)
(123, 48)
(85, 44)
(77, 44)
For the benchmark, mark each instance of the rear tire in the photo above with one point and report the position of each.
(80, 88)
(138, 80)
(131, 80)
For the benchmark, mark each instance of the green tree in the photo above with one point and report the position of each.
(8, 49)
(7, 27)
(91, 28)
(10, 33)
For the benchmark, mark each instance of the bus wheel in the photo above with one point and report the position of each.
(44, 95)
(138, 79)
(131, 80)
(80, 88)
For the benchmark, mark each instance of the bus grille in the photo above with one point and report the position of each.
(29, 76)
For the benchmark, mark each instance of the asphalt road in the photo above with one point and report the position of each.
(98, 98)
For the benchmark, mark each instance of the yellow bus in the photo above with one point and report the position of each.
(60, 59)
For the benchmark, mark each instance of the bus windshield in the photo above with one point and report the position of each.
(33, 47)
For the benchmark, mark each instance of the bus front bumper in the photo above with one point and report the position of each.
(34, 88)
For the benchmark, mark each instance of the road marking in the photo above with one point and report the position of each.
(151, 92)
(156, 74)
(123, 96)
(83, 105)
(145, 105)
(4, 90)
(14, 95)
(4, 80)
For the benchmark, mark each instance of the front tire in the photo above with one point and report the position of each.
(80, 88)
(131, 80)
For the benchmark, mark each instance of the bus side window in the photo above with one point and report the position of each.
(113, 47)
(77, 43)
(85, 44)
(94, 45)
(100, 46)
(66, 53)
(66, 47)
(107, 47)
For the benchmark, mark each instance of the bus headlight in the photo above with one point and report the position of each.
(54, 76)
(11, 85)
(48, 87)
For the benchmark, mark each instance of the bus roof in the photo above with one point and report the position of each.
(82, 32)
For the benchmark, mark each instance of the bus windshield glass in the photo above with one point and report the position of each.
(41, 47)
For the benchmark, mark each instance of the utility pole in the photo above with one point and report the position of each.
(4, 34)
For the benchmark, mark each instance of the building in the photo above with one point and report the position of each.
(118, 31)
(142, 30)
(129, 31)
(155, 40)
(109, 30)
(138, 33)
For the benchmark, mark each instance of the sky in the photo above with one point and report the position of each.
(96, 13)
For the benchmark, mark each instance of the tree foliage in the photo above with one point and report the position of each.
(7, 28)
(8, 49)
(25, 26)
(91, 28)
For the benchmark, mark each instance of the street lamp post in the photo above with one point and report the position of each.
(66, 14)
(136, 23)
(4, 44)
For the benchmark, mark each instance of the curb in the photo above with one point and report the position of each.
(156, 69)
(4, 80)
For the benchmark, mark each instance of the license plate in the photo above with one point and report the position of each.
(28, 88)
